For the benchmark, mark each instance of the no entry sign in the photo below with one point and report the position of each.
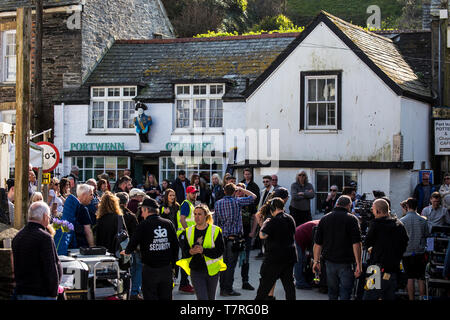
(51, 156)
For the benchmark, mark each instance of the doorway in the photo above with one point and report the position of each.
(150, 168)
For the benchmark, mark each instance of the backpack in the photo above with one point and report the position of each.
(121, 240)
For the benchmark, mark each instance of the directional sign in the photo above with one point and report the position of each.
(51, 156)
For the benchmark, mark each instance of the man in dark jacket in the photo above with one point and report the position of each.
(422, 192)
(386, 241)
(37, 268)
(159, 246)
(179, 186)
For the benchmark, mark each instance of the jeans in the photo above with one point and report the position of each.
(387, 291)
(270, 273)
(340, 279)
(157, 283)
(31, 297)
(136, 274)
(246, 265)
(230, 258)
(298, 269)
(205, 285)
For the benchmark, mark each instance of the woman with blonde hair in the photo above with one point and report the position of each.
(217, 190)
(54, 200)
(108, 215)
(203, 247)
(151, 186)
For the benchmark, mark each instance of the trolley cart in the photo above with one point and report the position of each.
(106, 280)
(436, 246)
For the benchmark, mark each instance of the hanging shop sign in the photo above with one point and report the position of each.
(442, 137)
(105, 146)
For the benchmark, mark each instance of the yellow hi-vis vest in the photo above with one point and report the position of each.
(213, 265)
(189, 219)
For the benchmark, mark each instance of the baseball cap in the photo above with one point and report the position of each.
(136, 192)
(191, 189)
(281, 192)
(150, 203)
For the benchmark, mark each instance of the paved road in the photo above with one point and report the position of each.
(254, 281)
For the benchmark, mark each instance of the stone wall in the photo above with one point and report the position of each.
(106, 21)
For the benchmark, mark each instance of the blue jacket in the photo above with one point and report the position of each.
(419, 195)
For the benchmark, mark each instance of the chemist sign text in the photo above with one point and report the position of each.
(442, 137)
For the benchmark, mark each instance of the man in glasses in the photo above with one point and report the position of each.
(331, 198)
(423, 192)
(302, 192)
(275, 182)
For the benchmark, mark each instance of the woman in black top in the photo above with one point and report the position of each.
(205, 285)
(151, 186)
(204, 193)
(108, 221)
(170, 207)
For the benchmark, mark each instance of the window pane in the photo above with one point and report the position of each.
(170, 176)
(213, 89)
(113, 92)
(80, 162)
(182, 113)
(98, 92)
(331, 89)
(170, 163)
(331, 114)
(113, 114)
(110, 163)
(98, 114)
(350, 176)
(312, 114)
(99, 162)
(312, 90)
(200, 113)
(199, 89)
(321, 89)
(97, 173)
(128, 114)
(322, 114)
(322, 181)
(179, 90)
(122, 162)
(88, 162)
(74, 161)
(220, 89)
(337, 178)
(215, 113)
(88, 174)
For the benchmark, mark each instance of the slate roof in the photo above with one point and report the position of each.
(242, 62)
(385, 55)
(159, 64)
(12, 5)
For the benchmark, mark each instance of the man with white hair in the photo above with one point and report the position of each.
(37, 268)
(83, 231)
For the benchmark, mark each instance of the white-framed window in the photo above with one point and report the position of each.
(168, 168)
(92, 167)
(199, 106)
(8, 56)
(321, 101)
(327, 178)
(112, 108)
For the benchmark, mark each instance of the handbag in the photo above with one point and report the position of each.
(120, 243)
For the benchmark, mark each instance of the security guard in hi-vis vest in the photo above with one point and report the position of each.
(159, 247)
(185, 217)
(202, 246)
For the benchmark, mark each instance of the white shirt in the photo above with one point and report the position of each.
(56, 200)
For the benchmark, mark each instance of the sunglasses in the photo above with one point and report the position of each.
(266, 181)
(302, 175)
(333, 190)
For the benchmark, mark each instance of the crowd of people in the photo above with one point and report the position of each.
(215, 223)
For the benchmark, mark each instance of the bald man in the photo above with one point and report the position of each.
(386, 241)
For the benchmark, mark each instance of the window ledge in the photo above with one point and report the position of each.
(111, 133)
(198, 132)
(7, 84)
(320, 131)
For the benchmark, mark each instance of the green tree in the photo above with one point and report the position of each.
(411, 17)
(279, 22)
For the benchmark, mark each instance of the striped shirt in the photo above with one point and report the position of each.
(227, 214)
(417, 229)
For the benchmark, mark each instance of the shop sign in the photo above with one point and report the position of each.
(105, 146)
(175, 146)
(442, 137)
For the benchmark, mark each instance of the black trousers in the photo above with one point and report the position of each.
(157, 283)
(300, 216)
(270, 273)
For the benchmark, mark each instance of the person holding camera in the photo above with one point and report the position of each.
(202, 247)
(227, 214)
(278, 231)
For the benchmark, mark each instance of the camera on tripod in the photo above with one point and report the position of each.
(363, 208)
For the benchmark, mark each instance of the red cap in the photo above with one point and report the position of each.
(191, 189)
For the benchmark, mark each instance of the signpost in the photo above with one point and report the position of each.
(46, 178)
